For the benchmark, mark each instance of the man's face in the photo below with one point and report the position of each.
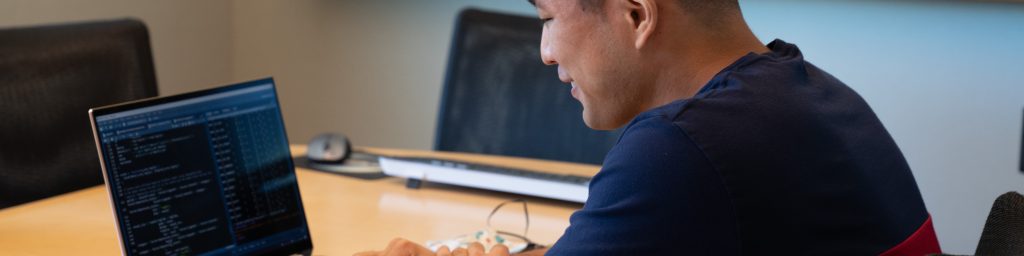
(596, 56)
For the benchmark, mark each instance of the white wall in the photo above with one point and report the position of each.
(942, 75)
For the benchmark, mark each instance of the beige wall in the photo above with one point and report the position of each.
(369, 69)
(191, 39)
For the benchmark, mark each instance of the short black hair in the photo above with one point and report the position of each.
(710, 9)
(584, 4)
(710, 6)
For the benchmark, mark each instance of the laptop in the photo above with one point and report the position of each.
(202, 173)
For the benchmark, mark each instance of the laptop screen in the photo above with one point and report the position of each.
(203, 173)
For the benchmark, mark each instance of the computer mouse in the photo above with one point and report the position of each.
(332, 148)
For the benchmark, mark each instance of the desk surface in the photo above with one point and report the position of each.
(345, 215)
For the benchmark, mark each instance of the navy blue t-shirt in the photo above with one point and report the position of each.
(772, 156)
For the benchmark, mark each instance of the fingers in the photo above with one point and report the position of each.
(402, 247)
(499, 250)
(476, 249)
(460, 252)
(444, 251)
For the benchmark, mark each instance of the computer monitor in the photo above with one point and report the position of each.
(202, 173)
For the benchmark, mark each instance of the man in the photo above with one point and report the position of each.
(731, 147)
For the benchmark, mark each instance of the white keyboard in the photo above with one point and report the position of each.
(565, 187)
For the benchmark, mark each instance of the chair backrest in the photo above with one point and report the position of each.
(1004, 229)
(499, 98)
(49, 78)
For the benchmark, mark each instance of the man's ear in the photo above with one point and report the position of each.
(644, 16)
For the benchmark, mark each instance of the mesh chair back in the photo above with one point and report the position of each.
(1004, 230)
(499, 98)
(49, 78)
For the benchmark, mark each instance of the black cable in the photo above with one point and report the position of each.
(530, 245)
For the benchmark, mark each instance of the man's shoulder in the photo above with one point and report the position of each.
(795, 141)
(656, 189)
(658, 124)
(654, 142)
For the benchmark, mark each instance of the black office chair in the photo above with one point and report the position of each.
(49, 78)
(500, 99)
(1004, 229)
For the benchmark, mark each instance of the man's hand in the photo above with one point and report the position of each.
(402, 247)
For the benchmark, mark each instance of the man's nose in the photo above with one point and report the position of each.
(547, 52)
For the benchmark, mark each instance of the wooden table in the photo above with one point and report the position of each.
(345, 214)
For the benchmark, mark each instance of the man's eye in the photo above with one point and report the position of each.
(545, 20)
